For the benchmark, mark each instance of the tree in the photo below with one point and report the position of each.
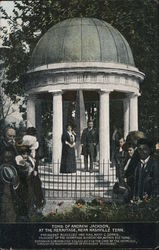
(8, 105)
(137, 20)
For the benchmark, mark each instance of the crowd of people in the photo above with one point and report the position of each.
(19, 179)
(136, 160)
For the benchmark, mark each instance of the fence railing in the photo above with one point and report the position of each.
(97, 182)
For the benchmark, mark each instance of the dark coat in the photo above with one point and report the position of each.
(116, 139)
(89, 137)
(156, 155)
(68, 160)
(132, 165)
(7, 200)
(119, 160)
(149, 181)
(7, 190)
(29, 192)
(130, 172)
(24, 191)
(5, 146)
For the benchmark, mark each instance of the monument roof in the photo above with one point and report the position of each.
(81, 40)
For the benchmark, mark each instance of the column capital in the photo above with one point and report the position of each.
(104, 91)
(56, 92)
(132, 95)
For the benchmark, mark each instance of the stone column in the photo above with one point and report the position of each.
(133, 112)
(57, 129)
(38, 107)
(126, 107)
(31, 111)
(104, 133)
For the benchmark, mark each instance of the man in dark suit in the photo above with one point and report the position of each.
(7, 143)
(7, 155)
(132, 139)
(119, 159)
(89, 140)
(146, 180)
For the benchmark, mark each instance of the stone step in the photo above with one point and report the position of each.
(46, 172)
(49, 169)
(76, 186)
(57, 194)
(78, 172)
(78, 179)
(60, 186)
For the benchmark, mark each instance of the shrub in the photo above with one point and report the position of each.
(100, 211)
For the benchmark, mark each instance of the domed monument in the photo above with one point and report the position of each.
(82, 40)
(81, 59)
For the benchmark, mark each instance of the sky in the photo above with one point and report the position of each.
(8, 6)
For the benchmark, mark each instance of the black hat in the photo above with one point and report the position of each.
(31, 131)
(22, 148)
(144, 141)
(8, 174)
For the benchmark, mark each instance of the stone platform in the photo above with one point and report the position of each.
(77, 185)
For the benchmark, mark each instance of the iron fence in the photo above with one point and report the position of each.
(80, 184)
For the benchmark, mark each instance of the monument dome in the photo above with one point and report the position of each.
(81, 40)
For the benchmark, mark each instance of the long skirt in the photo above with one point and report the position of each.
(68, 160)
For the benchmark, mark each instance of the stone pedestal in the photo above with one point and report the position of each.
(104, 133)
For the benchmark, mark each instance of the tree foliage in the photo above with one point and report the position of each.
(137, 20)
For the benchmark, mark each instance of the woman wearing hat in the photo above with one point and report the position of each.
(25, 166)
(30, 139)
(30, 182)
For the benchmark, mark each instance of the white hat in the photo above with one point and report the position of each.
(31, 141)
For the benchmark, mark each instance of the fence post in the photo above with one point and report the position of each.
(106, 170)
